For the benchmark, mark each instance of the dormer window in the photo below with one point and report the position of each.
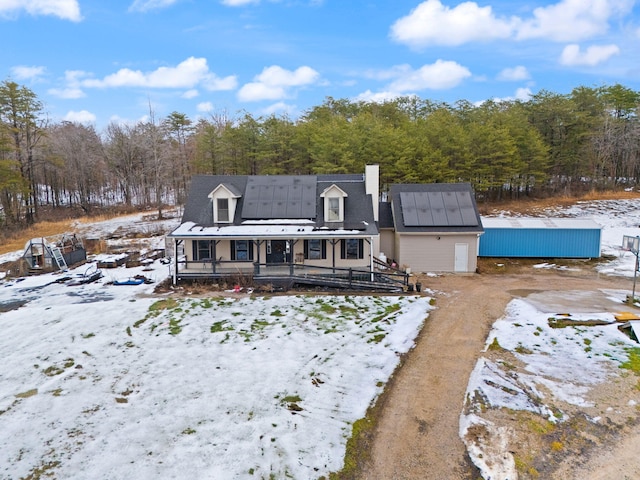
(334, 204)
(333, 214)
(223, 209)
(224, 198)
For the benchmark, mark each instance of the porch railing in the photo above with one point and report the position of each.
(349, 276)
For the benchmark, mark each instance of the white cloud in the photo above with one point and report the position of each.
(146, 5)
(432, 23)
(523, 94)
(204, 107)
(187, 74)
(253, 92)
(64, 9)
(572, 20)
(592, 56)
(193, 93)
(238, 3)
(377, 97)
(80, 117)
(274, 83)
(276, 75)
(214, 83)
(440, 75)
(406, 81)
(74, 77)
(67, 93)
(72, 89)
(22, 72)
(279, 107)
(514, 74)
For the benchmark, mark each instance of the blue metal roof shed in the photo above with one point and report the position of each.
(540, 238)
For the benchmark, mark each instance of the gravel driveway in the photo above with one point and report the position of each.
(417, 433)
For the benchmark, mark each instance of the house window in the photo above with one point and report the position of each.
(333, 214)
(315, 249)
(202, 249)
(242, 250)
(352, 248)
(223, 209)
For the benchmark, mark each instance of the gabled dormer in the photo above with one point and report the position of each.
(333, 204)
(225, 199)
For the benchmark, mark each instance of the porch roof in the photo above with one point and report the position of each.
(269, 229)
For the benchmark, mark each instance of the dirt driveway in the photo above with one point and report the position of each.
(417, 434)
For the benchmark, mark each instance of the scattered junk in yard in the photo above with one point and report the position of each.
(630, 324)
(113, 261)
(130, 259)
(632, 329)
(45, 254)
(625, 316)
(135, 280)
(632, 244)
(91, 274)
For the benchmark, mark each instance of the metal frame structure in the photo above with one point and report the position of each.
(632, 244)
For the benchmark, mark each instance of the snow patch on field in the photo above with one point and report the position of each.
(559, 364)
(113, 382)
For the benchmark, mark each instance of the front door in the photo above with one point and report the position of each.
(277, 251)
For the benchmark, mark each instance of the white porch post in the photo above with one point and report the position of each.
(175, 259)
(371, 256)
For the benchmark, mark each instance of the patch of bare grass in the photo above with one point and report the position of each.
(17, 240)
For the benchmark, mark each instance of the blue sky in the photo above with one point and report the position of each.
(96, 61)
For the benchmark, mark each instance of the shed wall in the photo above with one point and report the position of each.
(434, 253)
(540, 243)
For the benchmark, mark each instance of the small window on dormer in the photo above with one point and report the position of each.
(223, 209)
(333, 214)
(334, 204)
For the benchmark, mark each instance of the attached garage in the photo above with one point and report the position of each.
(540, 237)
(435, 227)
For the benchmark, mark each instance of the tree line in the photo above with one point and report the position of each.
(550, 144)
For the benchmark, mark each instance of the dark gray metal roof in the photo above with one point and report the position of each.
(199, 207)
(280, 196)
(358, 213)
(358, 209)
(442, 207)
(385, 215)
(232, 188)
(341, 177)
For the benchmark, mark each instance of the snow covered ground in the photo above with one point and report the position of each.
(560, 364)
(101, 381)
(115, 382)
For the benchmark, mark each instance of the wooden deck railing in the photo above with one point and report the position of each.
(295, 272)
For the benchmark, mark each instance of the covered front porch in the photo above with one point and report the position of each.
(340, 262)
